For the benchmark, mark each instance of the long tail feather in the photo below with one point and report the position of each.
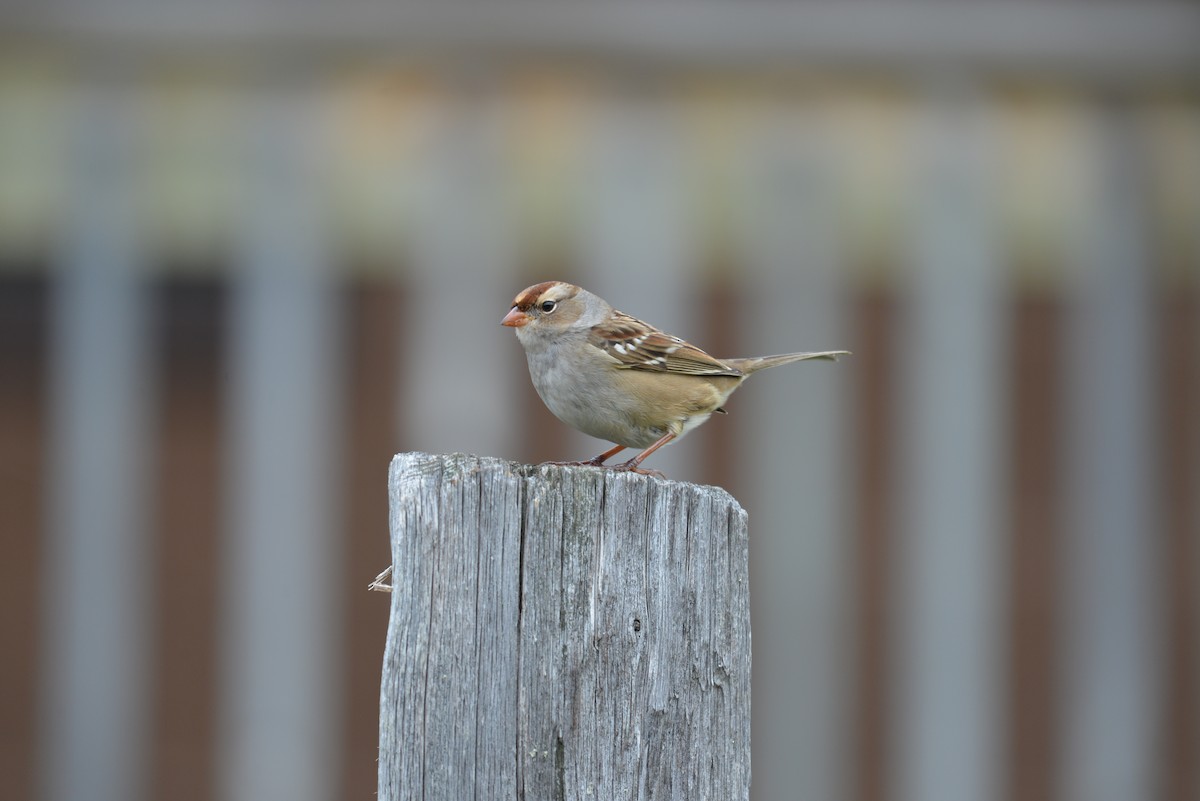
(756, 363)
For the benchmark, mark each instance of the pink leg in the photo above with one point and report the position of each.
(632, 464)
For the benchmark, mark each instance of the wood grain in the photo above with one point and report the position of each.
(563, 633)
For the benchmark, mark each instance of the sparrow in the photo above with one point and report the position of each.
(616, 378)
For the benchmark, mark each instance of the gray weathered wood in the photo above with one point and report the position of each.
(566, 633)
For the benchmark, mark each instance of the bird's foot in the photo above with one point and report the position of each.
(632, 467)
(595, 461)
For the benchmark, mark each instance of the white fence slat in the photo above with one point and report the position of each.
(796, 454)
(457, 386)
(636, 245)
(947, 674)
(1111, 662)
(96, 616)
(278, 732)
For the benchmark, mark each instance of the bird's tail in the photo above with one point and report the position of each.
(756, 363)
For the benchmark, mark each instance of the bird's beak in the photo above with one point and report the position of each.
(515, 318)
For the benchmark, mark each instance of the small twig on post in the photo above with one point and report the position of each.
(382, 582)
(565, 633)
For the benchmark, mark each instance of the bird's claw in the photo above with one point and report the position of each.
(631, 467)
(624, 467)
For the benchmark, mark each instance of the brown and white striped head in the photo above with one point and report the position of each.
(552, 307)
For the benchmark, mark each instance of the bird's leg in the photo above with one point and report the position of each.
(602, 458)
(632, 464)
(596, 461)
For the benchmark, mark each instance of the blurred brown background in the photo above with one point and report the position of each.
(250, 250)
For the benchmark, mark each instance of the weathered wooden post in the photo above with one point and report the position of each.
(563, 633)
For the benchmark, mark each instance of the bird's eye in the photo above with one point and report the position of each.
(548, 306)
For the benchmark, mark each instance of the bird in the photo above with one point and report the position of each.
(616, 378)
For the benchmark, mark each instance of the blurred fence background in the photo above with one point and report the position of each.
(250, 250)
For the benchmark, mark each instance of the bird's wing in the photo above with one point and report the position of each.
(638, 346)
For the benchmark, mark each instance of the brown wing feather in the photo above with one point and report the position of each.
(638, 346)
